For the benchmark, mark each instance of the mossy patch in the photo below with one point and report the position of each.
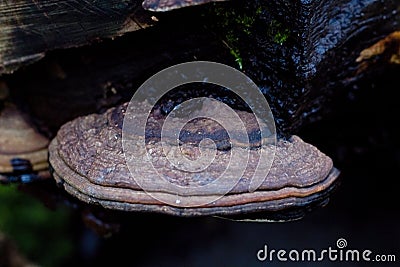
(238, 25)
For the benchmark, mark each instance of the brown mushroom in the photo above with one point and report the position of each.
(23, 150)
(88, 160)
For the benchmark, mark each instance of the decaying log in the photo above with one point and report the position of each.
(301, 55)
(29, 28)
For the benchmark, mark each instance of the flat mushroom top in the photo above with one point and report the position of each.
(92, 147)
(166, 5)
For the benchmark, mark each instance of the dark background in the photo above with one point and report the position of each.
(361, 136)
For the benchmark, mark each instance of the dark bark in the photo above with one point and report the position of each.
(30, 28)
(302, 56)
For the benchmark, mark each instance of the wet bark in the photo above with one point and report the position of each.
(29, 28)
(302, 55)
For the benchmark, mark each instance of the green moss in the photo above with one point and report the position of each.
(246, 22)
(234, 24)
(238, 58)
(239, 25)
(230, 41)
(278, 33)
(41, 234)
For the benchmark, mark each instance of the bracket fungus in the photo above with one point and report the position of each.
(88, 159)
(166, 5)
(23, 150)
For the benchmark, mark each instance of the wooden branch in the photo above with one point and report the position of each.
(29, 28)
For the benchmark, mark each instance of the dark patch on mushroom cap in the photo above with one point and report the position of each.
(88, 160)
(195, 131)
(166, 5)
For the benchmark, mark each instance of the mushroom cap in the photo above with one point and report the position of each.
(166, 5)
(20, 142)
(88, 159)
